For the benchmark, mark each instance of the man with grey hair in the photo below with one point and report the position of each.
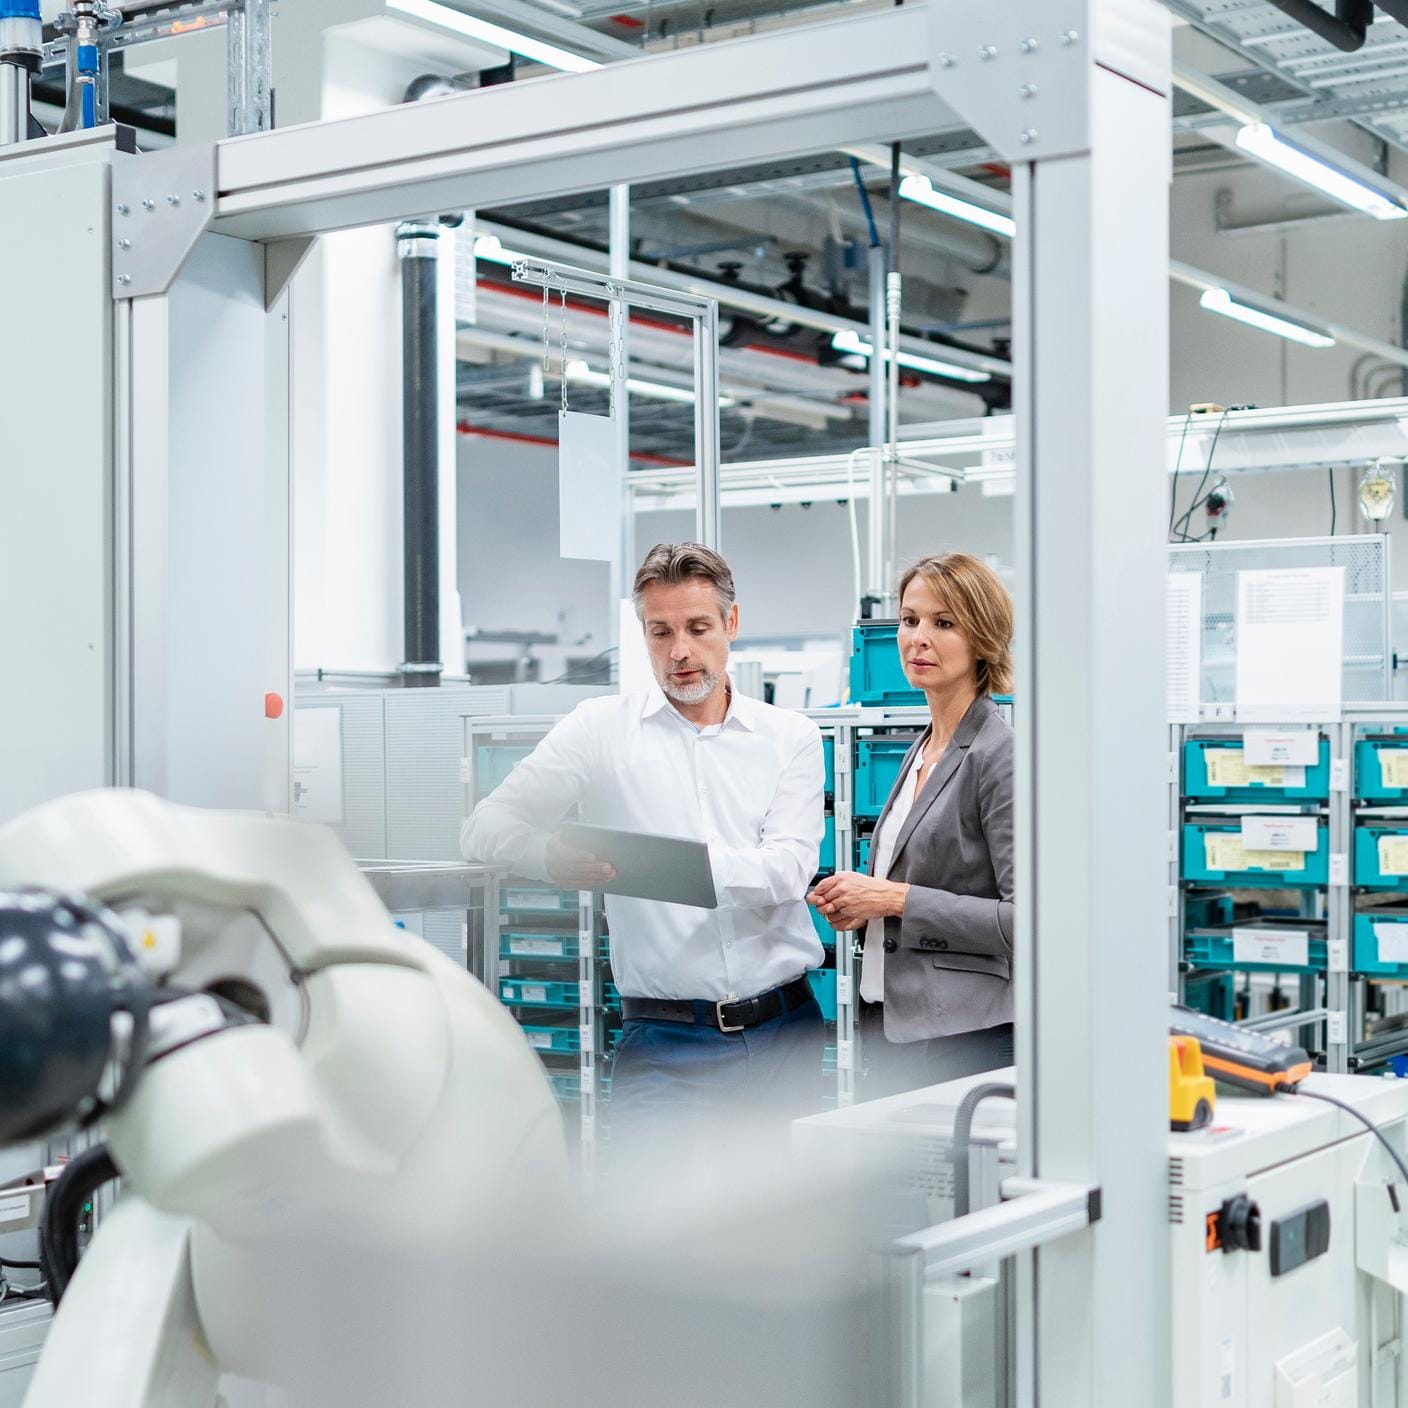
(717, 1006)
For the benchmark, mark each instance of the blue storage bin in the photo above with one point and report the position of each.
(493, 762)
(1366, 957)
(823, 981)
(828, 758)
(533, 992)
(826, 857)
(879, 759)
(1205, 950)
(876, 674)
(1207, 911)
(560, 1040)
(544, 948)
(1197, 776)
(1214, 994)
(1368, 865)
(567, 1086)
(863, 855)
(1369, 782)
(824, 931)
(1313, 869)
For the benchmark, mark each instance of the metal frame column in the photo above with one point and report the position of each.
(1092, 379)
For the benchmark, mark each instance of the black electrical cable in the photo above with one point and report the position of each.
(894, 208)
(1199, 498)
(20, 1265)
(83, 1175)
(1331, 473)
(962, 1135)
(1366, 1122)
(1177, 465)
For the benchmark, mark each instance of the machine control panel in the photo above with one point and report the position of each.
(1299, 1237)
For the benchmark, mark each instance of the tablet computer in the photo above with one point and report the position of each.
(670, 868)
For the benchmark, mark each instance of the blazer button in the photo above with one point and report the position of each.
(943, 943)
(890, 945)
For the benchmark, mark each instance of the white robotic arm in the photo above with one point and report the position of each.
(389, 1103)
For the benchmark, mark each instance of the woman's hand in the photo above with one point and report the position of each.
(848, 900)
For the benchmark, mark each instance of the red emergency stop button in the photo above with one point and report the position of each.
(273, 706)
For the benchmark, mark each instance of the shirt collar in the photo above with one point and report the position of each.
(739, 708)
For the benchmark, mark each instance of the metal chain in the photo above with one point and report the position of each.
(613, 313)
(563, 294)
(547, 316)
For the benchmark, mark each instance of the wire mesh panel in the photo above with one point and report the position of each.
(363, 761)
(1368, 655)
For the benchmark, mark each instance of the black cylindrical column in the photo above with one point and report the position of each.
(417, 246)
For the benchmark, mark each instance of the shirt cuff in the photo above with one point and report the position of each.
(533, 863)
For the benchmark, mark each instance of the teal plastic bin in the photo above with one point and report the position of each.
(1378, 853)
(1308, 868)
(1201, 758)
(879, 758)
(1375, 950)
(1375, 759)
(823, 981)
(876, 674)
(1212, 950)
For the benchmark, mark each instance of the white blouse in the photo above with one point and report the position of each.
(872, 971)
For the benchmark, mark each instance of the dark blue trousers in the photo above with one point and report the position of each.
(669, 1074)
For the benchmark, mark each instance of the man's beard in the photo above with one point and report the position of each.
(692, 693)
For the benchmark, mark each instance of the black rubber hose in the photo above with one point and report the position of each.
(83, 1175)
(962, 1135)
(421, 450)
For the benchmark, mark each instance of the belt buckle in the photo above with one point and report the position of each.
(719, 1016)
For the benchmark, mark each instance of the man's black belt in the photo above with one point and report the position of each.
(726, 1016)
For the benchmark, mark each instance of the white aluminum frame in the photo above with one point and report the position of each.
(1074, 93)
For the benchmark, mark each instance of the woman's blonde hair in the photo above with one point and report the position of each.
(980, 607)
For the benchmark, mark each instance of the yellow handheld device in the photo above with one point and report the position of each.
(1190, 1089)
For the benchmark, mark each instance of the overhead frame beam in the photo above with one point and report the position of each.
(693, 110)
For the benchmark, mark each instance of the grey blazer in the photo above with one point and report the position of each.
(948, 959)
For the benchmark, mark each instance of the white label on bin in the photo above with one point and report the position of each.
(1278, 833)
(1287, 947)
(14, 1209)
(533, 994)
(542, 1040)
(1393, 766)
(1281, 747)
(551, 947)
(1393, 942)
(1393, 855)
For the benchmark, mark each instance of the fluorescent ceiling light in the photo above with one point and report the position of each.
(1218, 300)
(854, 343)
(486, 32)
(584, 375)
(921, 190)
(1265, 144)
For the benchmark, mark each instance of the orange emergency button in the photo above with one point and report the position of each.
(273, 706)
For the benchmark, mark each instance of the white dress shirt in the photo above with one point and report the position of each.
(751, 787)
(872, 957)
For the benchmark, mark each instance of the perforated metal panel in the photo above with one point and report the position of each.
(1368, 655)
(424, 794)
(442, 928)
(363, 829)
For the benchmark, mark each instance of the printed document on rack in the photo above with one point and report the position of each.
(1183, 640)
(1290, 633)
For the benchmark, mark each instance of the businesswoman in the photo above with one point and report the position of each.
(936, 907)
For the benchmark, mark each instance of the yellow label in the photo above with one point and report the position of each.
(1393, 766)
(1227, 769)
(1393, 855)
(1224, 850)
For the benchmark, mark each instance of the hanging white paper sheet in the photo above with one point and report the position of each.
(589, 474)
(1290, 947)
(1279, 833)
(317, 764)
(1183, 641)
(1290, 628)
(1298, 747)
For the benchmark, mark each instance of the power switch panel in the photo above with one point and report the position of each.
(1299, 1237)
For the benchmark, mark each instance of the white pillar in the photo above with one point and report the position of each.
(1090, 298)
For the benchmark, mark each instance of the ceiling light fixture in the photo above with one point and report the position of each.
(920, 189)
(580, 373)
(854, 343)
(485, 32)
(1218, 300)
(1263, 142)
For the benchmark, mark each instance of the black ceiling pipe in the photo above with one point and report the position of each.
(1349, 25)
(417, 246)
